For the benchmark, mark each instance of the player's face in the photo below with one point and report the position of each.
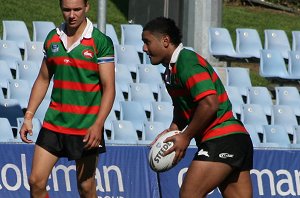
(74, 12)
(154, 47)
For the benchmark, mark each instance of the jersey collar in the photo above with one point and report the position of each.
(87, 33)
(175, 55)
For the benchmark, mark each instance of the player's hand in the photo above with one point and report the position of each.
(163, 132)
(181, 143)
(93, 137)
(25, 130)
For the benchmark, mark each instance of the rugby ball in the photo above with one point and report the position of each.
(157, 161)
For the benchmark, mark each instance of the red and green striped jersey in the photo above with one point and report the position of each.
(192, 78)
(77, 91)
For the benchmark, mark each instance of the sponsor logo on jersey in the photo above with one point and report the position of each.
(88, 54)
(225, 155)
(54, 48)
(203, 152)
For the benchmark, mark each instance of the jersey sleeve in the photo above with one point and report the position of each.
(105, 49)
(197, 79)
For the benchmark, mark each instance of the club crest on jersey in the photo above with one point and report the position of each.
(54, 48)
(88, 54)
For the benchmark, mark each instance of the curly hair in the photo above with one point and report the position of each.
(165, 26)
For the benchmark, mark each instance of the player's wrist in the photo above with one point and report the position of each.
(29, 115)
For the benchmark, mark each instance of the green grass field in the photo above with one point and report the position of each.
(117, 10)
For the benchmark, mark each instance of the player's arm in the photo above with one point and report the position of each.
(38, 93)
(107, 78)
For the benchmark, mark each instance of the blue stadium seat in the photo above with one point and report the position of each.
(42, 109)
(5, 74)
(276, 134)
(162, 112)
(127, 55)
(142, 93)
(222, 72)
(131, 34)
(111, 32)
(296, 40)
(272, 65)
(284, 115)
(163, 95)
(235, 98)
(27, 70)
(41, 30)
(111, 116)
(123, 76)
(239, 77)
(16, 30)
(277, 40)
(10, 53)
(34, 52)
(19, 90)
(288, 95)
(261, 96)
(6, 135)
(248, 42)
(149, 74)
(133, 111)
(150, 131)
(254, 135)
(11, 109)
(294, 64)
(123, 132)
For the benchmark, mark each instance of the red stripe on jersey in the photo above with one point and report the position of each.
(225, 117)
(64, 130)
(234, 128)
(76, 86)
(201, 60)
(196, 78)
(89, 42)
(223, 97)
(67, 61)
(68, 108)
(203, 94)
(214, 77)
(54, 39)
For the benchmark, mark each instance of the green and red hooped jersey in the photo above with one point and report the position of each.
(77, 91)
(193, 78)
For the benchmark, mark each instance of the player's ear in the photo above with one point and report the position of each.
(87, 7)
(166, 40)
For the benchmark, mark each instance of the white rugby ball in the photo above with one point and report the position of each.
(157, 161)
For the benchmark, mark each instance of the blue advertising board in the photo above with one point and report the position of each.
(124, 172)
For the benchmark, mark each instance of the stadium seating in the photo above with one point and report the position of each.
(294, 64)
(111, 32)
(123, 76)
(111, 116)
(253, 134)
(41, 30)
(235, 98)
(16, 30)
(239, 77)
(142, 93)
(118, 98)
(9, 52)
(248, 42)
(163, 95)
(260, 95)
(6, 135)
(27, 70)
(34, 52)
(276, 134)
(131, 34)
(123, 132)
(40, 112)
(272, 65)
(288, 95)
(19, 90)
(133, 111)
(150, 131)
(284, 116)
(220, 45)
(5, 74)
(11, 109)
(162, 112)
(149, 74)
(277, 40)
(127, 55)
(296, 40)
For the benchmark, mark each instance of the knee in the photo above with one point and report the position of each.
(37, 183)
(87, 188)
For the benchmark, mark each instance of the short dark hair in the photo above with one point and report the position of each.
(85, 2)
(165, 26)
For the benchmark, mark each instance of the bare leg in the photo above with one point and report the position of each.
(86, 183)
(203, 177)
(237, 185)
(42, 164)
